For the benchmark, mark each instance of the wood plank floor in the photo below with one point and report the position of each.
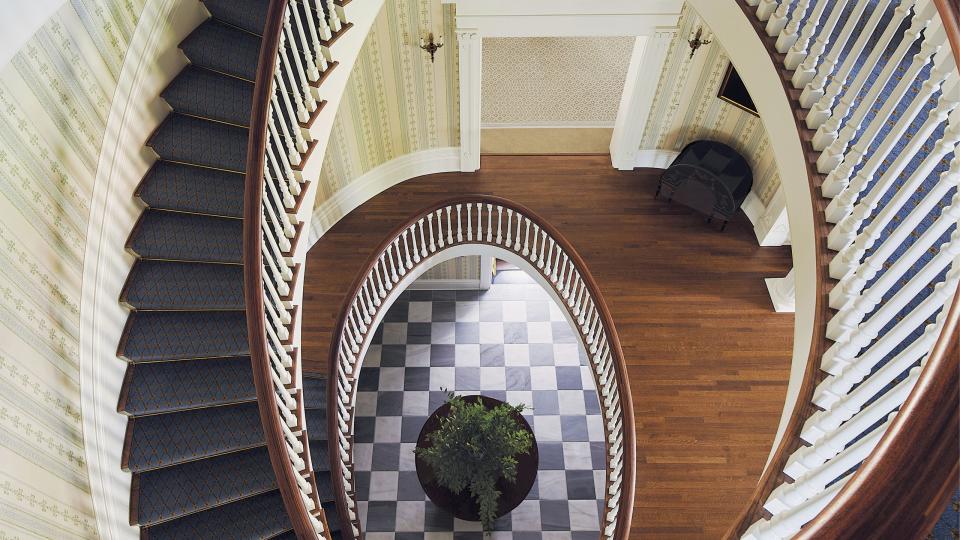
(708, 357)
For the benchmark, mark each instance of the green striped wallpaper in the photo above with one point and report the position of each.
(396, 101)
(55, 98)
(686, 108)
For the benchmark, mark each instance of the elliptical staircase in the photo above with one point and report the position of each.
(216, 437)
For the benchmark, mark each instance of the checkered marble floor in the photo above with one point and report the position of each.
(512, 343)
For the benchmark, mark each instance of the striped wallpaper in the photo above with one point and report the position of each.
(396, 101)
(686, 108)
(55, 98)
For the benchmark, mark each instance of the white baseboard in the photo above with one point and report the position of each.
(378, 179)
(655, 159)
(445, 284)
(754, 208)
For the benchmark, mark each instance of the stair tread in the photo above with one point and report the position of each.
(175, 236)
(319, 452)
(262, 516)
(176, 186)
(171, 285)
(198, 141)
(333, 519)
(210, 94)
(174, 492)
(314, 392)
(317, 418)
(170, 335)
(250, 15)
(224, 48)
(324, 485)
(164, 440)
(163, 387)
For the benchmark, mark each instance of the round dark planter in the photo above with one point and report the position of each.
(463, 506)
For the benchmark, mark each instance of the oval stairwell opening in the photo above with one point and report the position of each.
(470, 225)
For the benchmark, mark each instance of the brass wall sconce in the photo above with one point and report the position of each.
(430, 46)
(695, 41)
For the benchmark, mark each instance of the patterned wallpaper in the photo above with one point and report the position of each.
(55, 97)
(686, 108)
(459, 268)
(551, 81)
(396, 101)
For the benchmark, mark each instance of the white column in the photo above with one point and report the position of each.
(486, 271)
(783, 292)
(649, 53)
(773, 227)
(471, 57)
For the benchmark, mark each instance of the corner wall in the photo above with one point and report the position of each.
(396, 102)
(686, 108)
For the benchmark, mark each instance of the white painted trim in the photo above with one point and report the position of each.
(378, 179)
(445, 284)
(573, 124)
(754, 208)
(639, 90)
(782, 293)
(750, 57)
(565, 18)
(470, 49)
(655, 159)
(152, 61)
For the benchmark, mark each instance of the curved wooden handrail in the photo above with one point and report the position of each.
(253, 279)
(625, 516)
(901, 489)
(870, 505)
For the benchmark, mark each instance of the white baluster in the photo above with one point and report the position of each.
(849, 257)
(841, 403)
(312, 72)
(406, 249)
(786, 524)
(509, 237)
(837, 152)
(791, 32)
(449, 229)
(815, 89)
(808, 68)
(840, 355)
(469, 222)
(423, 243)
(852, 284)
(850, 318)
(828, 132)
(433, 245)
(323, 28)
(489, 222)
(766, 8)
(843, 204)
(334, 21)
(821, 110)
(459, 224)
(778, 19)
(798, 51)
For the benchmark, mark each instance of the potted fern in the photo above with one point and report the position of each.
(476, 458)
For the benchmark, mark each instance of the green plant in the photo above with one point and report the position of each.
(473, 447)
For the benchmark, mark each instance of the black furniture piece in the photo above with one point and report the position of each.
(709, 177)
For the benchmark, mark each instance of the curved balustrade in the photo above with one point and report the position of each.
(292, 61)
(488, 221)
(875, 425)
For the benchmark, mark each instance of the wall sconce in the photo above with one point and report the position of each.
(695, 42)
(430, 46)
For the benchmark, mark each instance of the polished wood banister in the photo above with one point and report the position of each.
(625, 515)
(252, 274)
(901, 489)
(891, 491)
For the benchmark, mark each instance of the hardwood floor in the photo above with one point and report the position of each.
(707, 356)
